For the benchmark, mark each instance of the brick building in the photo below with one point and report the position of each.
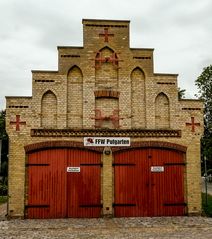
(104, 135)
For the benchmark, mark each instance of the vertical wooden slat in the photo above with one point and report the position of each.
(47, 184)
(38, 186)
(58, 159)
(83, 189)
(131, 183)
(174, 183)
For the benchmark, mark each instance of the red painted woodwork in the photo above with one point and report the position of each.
(18, 122)
(192, 124)
(55, 193)
(140, 192)
(84, 198)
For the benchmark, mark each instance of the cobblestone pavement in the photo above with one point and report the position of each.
(116, 228)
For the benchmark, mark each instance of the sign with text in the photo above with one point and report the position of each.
(107, 141)
(157, 169)
(73, 169)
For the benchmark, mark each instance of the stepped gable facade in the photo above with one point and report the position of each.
(104, 90)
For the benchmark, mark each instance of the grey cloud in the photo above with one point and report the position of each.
(180, 32)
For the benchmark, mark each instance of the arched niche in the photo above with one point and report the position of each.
(162, 111)
(106, 68)
(138, 104)
(49, 110)
(74, 97)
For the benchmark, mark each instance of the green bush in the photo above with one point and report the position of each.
(207, 209)
(3, 188)
(3, 199)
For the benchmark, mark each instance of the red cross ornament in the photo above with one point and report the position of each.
(99, 60)
(106, 35)
(114, 59)
(99, 117)
(18, 122)
(111, 59)
(115, 118)
(192, 124)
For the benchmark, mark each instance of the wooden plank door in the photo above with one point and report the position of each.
(157, 179)
(46, 184)
(55, 193)
(142, 190)
(174, 198)
(131, 183)
(84, 187)
(167, 186)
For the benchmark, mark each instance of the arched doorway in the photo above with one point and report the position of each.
(149, 182)
(63, 182)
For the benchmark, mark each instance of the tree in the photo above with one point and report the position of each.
(4, 151)
(204, 84)
(181, 93)
(3, 134)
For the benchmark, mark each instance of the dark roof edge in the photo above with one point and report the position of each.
(105, 20)
(74, 47)
(43, 71)
(7, 97)
(165, 74)
(191, 100)
(146, 49)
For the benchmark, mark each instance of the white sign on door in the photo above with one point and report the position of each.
(73, 169)
(157, 169)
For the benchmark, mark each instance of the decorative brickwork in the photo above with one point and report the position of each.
(142, 57)
(106, 94)
(106, 35)
(68, 55)
(18, 106)
(191, 109)
(17, 123)
(165, 83)
(192, 124)
(105, 133)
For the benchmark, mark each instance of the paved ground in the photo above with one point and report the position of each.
(116, 228)
(154, 228)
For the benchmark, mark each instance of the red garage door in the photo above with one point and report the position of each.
(149, 182)
(55, 193)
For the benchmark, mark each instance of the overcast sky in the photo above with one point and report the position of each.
(180, 31)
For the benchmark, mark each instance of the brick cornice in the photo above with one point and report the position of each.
(135, 133)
